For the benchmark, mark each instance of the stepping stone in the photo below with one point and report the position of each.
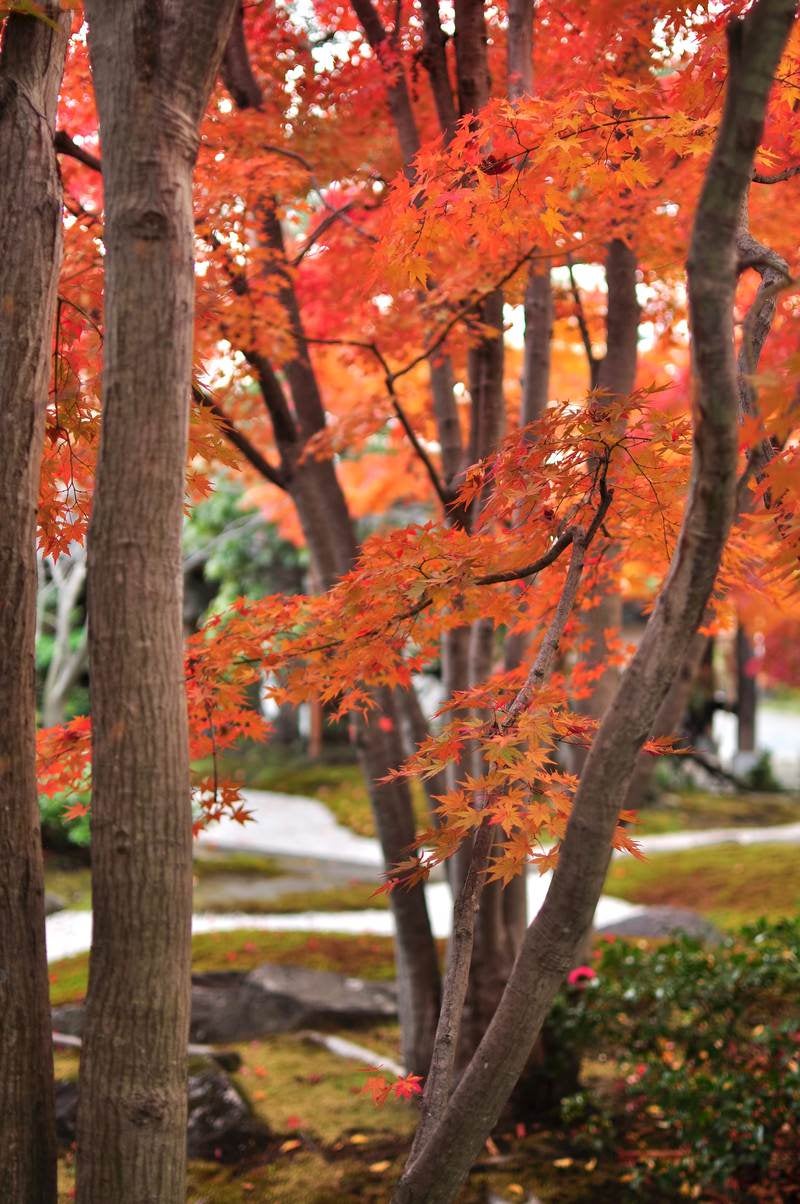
(664, 921)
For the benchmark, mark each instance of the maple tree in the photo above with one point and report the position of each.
(354, 278)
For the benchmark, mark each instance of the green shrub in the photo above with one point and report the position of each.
(707, 1042)
(60, 834)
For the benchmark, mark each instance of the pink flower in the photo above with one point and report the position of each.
(580, 976)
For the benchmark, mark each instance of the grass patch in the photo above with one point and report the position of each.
(354, 896)
(732, 884)
(696, 810)
(257, 865)
(363, 956)
(71, 882)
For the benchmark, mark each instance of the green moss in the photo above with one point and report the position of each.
(65, 1064)
(695, 810)
(348, 897)
(732, 884)
(258, 865)
(69, 880)
(365, 956)
(296, 1085)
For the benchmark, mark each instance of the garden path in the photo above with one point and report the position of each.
(292, 826)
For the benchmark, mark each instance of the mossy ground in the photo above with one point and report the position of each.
(695, 810)
(365, 956)
(334, 1146)
(732, 884)
(354, 896)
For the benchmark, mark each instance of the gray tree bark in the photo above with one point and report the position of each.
(31, 65)
(616, 374)
(153, 66)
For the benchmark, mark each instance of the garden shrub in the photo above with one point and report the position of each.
(707, 1042)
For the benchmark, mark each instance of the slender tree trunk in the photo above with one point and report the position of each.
(616, 375)
(153, 68)
(746, 693)
(333, 544)
(434, 60)
(538, 330)
(519, 48)
(31, 64)
(668, 720)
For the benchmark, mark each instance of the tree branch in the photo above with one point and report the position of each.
(236, 70)
(237, 439)
(583, 326)
(64, 145)
(760, 177)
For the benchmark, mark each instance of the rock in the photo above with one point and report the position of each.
(277, 999)
(52, 904)
(664, 921)
(68, 1018)
(230, 1006)
(66, 1112)
(222, 1126)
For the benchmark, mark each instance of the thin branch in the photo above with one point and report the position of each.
(556, 549)
(444, 495)
(328, 220)
(64, 145)
(583, 325)
(238, 527)
(235, 437)
(468, 308)
(760, 177)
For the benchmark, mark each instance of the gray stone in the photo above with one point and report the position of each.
(662, 922)
(52, 904)
(278, 999)
(66, 1112)
(222, 1126)
(231, 1006)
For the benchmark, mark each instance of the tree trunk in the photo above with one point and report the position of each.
(668, 721)
(538, 330)
(418, 978)
(746, 693)
(153, 68)
(31, 64)
(519, 48)
(616, 375)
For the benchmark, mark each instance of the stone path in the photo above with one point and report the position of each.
(285, 824)
(288, 823)
(70, 932)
